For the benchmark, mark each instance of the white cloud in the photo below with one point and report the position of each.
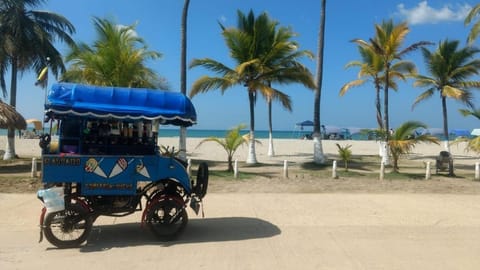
(130, 32)
(424, 14)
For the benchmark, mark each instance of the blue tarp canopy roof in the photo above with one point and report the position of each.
(460, 132)
(306, 123)
(120, 103)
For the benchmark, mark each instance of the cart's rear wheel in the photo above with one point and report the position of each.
(68, 228)
(201, 185)
(166, 217)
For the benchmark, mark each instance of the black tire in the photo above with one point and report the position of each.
(166, 218)
(68, 228)
(201, 185)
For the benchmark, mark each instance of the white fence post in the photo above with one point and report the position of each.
(235, 169)
(382, 171)
(34, 167)
(477, 171)
(285, 169)
(334, 170)
(428, 171)
(189, 167)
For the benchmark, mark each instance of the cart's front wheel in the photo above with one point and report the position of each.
(166, 217)
(68, 228)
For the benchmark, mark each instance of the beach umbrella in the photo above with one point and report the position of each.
(306, 123)
(10, 118)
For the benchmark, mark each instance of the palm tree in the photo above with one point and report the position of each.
(183, 75)
(476, 26)
(345, 154)
(403, 140)
(372, 69)
(116, 58)
(449, 67)
(251, 47)
(281, 65)
(318, 155)
(27, 41)
(389, 38)
(230, 143)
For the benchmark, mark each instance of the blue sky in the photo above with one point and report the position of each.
(158, 23)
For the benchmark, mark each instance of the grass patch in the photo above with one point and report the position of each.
(225, 175)
(19, 184)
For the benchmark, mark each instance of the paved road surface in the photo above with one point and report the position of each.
(267, 231)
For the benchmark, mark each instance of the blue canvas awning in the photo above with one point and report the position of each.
(306, 123)
(120, 103)
(460, 132)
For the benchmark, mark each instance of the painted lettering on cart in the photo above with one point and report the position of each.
(61, 161)
(108, 186)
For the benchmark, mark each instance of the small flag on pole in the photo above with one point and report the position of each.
(42, 79)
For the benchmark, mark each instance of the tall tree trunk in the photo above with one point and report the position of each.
(385, 148)
(318, 155)
(271, 151)
(10, 147)
(446, 144)
(251, 158)
(183, 77)
(378, 106)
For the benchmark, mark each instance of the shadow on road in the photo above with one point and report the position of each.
(105, 237)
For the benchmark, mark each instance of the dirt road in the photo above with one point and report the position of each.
(267, 231)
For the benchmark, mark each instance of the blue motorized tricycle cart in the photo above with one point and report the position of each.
(101, 157)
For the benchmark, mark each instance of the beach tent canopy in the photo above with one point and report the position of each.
(460, 132)
(475, 132)
(37, 124)
(430, 131)
(120, 103)
(306, 123)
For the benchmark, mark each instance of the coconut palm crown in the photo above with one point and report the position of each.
(116, 58)
(450, 69)
(27, 42)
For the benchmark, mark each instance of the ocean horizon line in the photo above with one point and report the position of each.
(332, 133)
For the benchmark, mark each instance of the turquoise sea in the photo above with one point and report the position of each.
(259, 134)
(203, 133)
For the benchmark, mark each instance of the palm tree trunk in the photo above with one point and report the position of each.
(251, 158)
(318, 155)
(385, 148)
(379, 108)
(10, 147)
(230, 163)
(271, 151)
(183, 77)
(445, 124)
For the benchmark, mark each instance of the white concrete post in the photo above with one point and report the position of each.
(428, 172)
(382, 171)
(334, 170)
(34, 167)
(235, 169)
(477, 171)
(189, 167)
(285, 169)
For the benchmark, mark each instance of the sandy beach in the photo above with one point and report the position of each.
(292, 150)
